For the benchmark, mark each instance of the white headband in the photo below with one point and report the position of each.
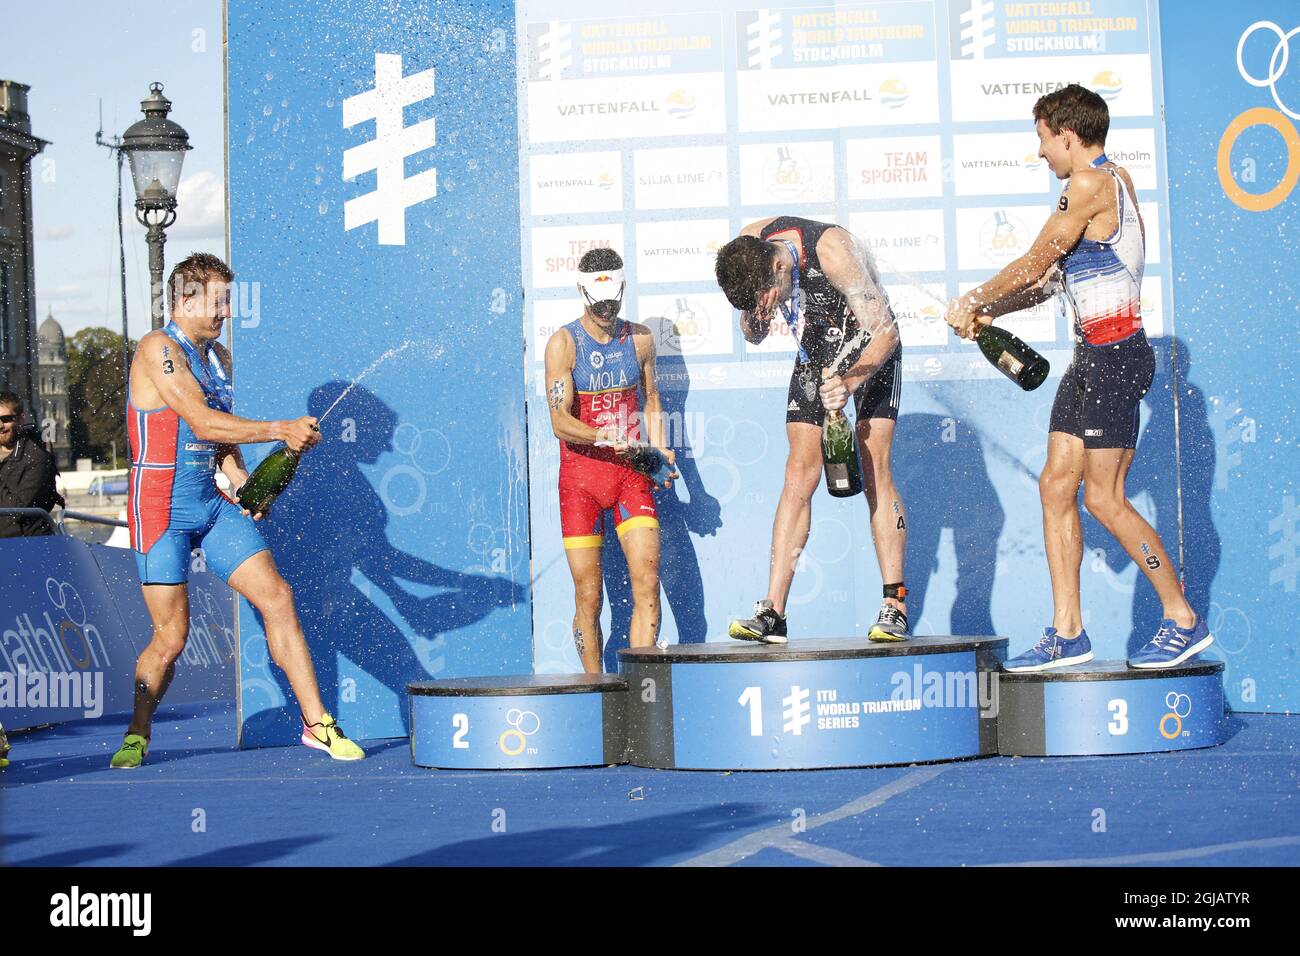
(601, 285)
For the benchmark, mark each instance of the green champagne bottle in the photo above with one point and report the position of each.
(1012, 357)
(840, 456)
(268, 480)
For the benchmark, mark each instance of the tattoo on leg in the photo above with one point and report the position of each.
(579, 642)
(1152, 561)
(901, 524)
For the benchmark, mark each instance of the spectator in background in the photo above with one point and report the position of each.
(26, 472)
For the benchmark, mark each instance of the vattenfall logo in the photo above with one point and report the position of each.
(894, 93)
(603, 181)
(608, 108)
(1108, 85)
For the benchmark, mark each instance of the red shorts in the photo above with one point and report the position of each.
(590, 488)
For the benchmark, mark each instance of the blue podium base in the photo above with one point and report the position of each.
(811, 703)
(512, 723)
(1107, 707)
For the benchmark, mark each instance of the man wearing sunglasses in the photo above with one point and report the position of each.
(26, 472)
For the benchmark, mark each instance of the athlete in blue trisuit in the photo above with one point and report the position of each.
(1092, 248)
(181, 430)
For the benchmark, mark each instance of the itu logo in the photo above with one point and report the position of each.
(1278, 62)
(386, 153)
(976, 28)
(1171, 724)
(553, 49)
(762, 39)
(522, 725)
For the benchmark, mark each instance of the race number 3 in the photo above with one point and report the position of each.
(461, 723)
(1118, 725)
(753, 699)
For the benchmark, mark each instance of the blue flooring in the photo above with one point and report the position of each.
(1238, 804)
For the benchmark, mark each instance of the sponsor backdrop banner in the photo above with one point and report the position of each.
(74, 623)
(373, 196)
(661, 134)
(1232, 83)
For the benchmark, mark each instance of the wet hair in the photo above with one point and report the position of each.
(1076, 108)
(600, 260)
(195, 270)
(11, 400)
(744, 270)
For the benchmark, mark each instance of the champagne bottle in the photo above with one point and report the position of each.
(840, 456)
(268, 480)
(1012, 357)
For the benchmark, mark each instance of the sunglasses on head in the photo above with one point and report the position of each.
(6, 419)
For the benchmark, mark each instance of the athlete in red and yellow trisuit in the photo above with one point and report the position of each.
(594, 367)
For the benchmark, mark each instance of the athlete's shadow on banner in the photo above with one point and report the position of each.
(1155, 471)
(940, 470)
(328, 533)
(681, 583)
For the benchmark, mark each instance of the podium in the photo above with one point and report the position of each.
(811, 703)
(503, 723)
(1108, 707)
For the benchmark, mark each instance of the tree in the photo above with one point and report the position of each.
(97, 395)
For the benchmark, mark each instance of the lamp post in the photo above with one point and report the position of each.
(155, 147)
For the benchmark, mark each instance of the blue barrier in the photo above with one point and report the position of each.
(74, 622)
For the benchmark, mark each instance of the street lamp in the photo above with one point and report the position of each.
(156, 148)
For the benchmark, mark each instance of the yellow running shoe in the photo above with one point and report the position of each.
(131, 754)
(329, 737)
(4, 749)
(890, 626)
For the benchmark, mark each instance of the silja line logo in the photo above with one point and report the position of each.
(78, 909)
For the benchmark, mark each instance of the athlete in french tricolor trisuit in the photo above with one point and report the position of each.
(1091, 251)
(595, 366)
(181, 430)
(827, 286)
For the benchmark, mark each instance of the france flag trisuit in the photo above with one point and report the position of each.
(174, 503)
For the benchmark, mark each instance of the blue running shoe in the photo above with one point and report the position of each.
(1172, 645)
(1052, 651)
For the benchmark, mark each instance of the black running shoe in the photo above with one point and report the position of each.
(890, 626)
(766, 626)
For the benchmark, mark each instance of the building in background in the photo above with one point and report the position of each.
(18, 344)
(50, 413)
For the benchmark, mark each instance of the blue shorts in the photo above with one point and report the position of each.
(227, 536)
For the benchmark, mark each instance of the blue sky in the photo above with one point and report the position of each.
(72, 53)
